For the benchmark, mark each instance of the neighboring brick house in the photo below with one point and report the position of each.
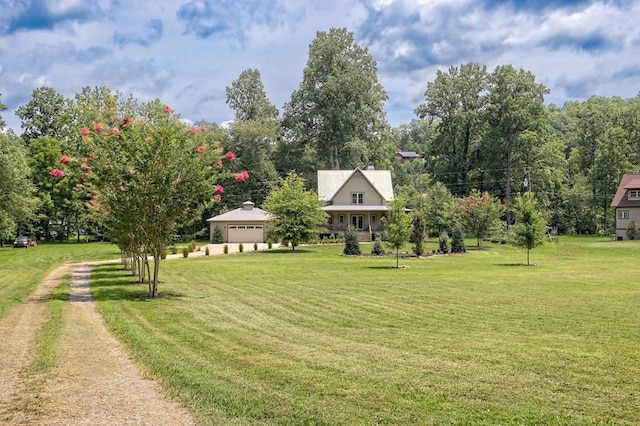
(627, 204)
(355, 197)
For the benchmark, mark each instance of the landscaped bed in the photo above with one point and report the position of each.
(313, 337)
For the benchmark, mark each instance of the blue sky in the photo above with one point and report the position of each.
(187, 52)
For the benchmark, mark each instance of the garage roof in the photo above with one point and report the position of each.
(247, 213)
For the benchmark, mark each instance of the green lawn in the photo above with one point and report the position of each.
(313, 337)
(21, 270)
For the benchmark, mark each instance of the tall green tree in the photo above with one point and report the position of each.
(297, 214)
(398, 226)
(530, 226)
(247, 97)
(43, 115)
(17, 203)
(3, 107)
(252, 137)
(337, 114)
(516, 114)
(457, 100)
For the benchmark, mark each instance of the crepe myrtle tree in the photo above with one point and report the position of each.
(149, 173)
(478, 214)
(398, 226)
(531, 226)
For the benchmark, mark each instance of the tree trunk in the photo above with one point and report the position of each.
(156, 269)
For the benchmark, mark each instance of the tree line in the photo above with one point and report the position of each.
(476, 130)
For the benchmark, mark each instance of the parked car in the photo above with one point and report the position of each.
(24, 241)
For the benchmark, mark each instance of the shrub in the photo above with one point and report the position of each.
(225, 249)
(163, 255)
(192, 245)
(185, 252)
(255, 246)
(377, 247)
(417, 234)
(457, 241)
(443, 242)
(216, 238)
(269, 243)
(632, 230)
(206, 251)
(351, 244)
(174, 249)
(240, 247)
(285, 243)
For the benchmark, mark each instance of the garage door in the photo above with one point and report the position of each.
(245, 234)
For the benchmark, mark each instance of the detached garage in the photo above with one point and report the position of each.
(247, 224)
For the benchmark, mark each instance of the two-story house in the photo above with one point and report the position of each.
(355, 197)
(627, 204)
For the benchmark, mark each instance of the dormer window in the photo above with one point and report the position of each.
(357, 198)
(634, 194)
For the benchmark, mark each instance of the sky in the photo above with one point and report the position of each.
(186, 52)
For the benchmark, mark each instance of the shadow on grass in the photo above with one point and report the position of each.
(515, 264)
(286, 250)
(111, 282)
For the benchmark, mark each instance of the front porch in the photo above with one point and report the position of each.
(368, 225)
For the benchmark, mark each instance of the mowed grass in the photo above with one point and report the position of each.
(21, 270)
(313, 337)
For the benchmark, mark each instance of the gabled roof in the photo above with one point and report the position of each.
(330, 182)
(629, 181)
(246, 213)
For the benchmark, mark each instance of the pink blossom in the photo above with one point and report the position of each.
(123, 188)
(230, 156)
(168, 109)
(203, 129)
(64, 160)
(106, 213)
(219, 189)
(219, 163)
(98, 127)
(242, 176)
(79, 185)
(114, 131)
(174, 182)
(84, 131)
(202, 149)
(148, 139)
(126, 121)
(193, 130)
(56, 173)
(217, 197)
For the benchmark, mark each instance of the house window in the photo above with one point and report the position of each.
(634, 193)
(357, 221)
(373, 218)
(623, 214)
(341, 218)
(357, 198)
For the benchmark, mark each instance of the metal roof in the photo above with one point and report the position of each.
(246, 213)
(331, 181)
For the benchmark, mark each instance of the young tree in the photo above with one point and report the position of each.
(297, 213)
(398, 226)
(530, 226)
(437, 208)
(351, 243)
(418, 233)
(337, 114)
(478, 214)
